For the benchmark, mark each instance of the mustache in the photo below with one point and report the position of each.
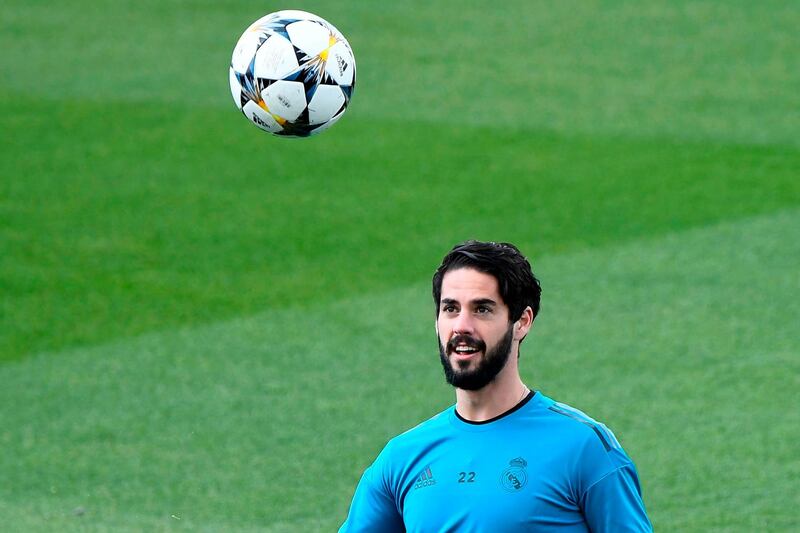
(469, 340)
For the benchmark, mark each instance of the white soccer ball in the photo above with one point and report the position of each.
(292, 74)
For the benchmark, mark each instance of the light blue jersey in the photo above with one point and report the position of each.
(542, 466)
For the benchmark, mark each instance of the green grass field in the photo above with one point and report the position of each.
(205, 328)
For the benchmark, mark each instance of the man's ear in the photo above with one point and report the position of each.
(523, 325)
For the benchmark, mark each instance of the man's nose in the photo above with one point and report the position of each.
(464, 324)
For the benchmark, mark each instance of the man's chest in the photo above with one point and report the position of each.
(491, 488)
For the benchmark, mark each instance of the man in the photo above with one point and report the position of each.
(504, 458)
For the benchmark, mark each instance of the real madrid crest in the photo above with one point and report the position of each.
(514, 477)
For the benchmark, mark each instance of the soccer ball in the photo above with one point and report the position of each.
(292, 74)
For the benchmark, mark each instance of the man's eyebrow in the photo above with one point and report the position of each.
(479, 301)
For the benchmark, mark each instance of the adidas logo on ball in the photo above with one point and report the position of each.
(258, 121)
(342, 64)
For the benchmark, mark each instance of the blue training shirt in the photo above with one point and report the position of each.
(542, 466)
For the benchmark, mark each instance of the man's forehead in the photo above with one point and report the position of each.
(469, 283)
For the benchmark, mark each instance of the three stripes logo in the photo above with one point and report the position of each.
(341, 63)
(425, 479)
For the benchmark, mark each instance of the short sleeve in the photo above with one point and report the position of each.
(614, 503)
(373, 507)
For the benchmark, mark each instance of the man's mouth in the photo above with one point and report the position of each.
(464, 352)
(464, 346)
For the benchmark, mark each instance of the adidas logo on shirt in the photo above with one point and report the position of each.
(425, 479)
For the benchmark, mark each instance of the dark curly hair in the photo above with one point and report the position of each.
(518, 287)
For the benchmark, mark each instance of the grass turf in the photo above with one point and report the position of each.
(161, 260)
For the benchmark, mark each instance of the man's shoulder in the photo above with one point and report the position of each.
(433, 424)
(575, 426)
(424, 431)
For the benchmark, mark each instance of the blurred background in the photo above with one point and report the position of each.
(203, 327)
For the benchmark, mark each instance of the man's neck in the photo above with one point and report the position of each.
(499, 396)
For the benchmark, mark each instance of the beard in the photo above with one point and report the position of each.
(487, 368)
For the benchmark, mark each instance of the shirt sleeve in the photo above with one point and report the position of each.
(614, 503)
(373, 507)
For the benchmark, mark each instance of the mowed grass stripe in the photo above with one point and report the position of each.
(716, 70)
(685, 345)
(125, 220)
